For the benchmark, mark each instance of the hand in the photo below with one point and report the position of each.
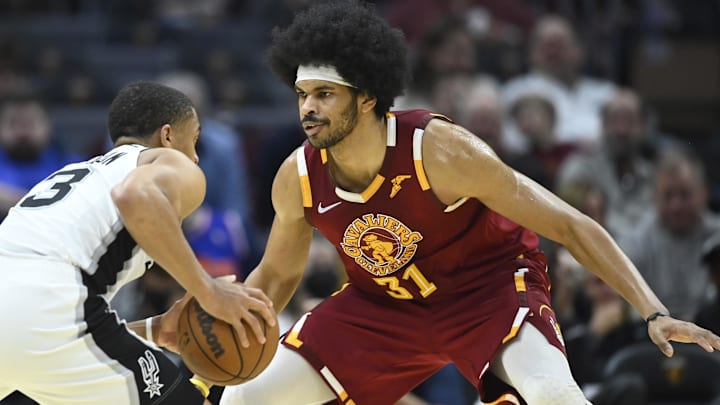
(167, 336)
(234, 303)
(664, 329)
(167, 322)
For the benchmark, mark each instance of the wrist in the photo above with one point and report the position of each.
(654, 316)
(152, 329)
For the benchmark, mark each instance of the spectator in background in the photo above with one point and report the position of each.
(27, 151)
(611, 326)
(480, 111)
(709, 314)
(667, 246)
(535, 117)
(448, 49)
(619, 168)
(221, 231)
(556, 58)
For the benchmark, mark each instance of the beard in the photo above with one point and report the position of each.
(23, 150)
(348, 121)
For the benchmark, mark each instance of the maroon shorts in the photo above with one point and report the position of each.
(373, 350)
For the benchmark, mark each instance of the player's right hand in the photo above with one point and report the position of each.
(234, 303)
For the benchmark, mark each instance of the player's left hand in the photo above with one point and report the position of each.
(664, 329)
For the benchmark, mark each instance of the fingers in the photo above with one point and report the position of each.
(251, 322)
(242, 334)
(262, 305)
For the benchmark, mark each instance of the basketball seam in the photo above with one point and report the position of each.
(219, 367)
(260, 356)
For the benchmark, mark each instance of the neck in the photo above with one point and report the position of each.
(131, 140)
(357, 159)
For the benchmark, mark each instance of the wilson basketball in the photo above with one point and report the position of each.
(211, 348)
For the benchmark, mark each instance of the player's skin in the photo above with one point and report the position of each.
(153, 199)
(451, 157)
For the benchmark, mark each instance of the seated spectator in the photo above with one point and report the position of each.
(446, 50)
(27, 151)
(667, 246)
(556, 58)
(611, 326)
(535, 118)
(709, 314)
(619, 169)
(480, 111)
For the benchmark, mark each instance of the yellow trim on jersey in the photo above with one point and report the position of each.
(504, 398)
(304, 177)
(323, 155)
(292, 337)
(441, 116)
(372, 188)
(545, 306)
(417, 159)
(517, 322)
(335, 385)
(344, 286)
(520, 280)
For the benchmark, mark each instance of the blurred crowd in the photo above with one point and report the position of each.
(612, 104)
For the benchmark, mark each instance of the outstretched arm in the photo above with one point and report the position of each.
(451, 152)
(152, 201)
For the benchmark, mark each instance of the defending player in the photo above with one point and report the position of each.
(436, 234)
(84, 232)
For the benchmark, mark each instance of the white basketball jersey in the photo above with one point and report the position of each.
(71, 217)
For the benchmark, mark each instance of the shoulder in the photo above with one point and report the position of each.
(453, 157)
(446, 140)
(287, 196)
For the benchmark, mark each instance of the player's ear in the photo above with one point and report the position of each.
(166, 135)
(367, 102)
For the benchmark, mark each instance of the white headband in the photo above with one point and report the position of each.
(327, 73)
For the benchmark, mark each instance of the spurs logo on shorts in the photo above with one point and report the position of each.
(151, 374)
(380, 243)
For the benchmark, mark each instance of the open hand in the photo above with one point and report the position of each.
(664, 329)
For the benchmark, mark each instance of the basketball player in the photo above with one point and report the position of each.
(436, 233)
(84, 232)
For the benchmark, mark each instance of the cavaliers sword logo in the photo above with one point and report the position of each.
(396, 184)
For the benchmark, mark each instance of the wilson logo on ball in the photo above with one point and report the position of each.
(206, 322)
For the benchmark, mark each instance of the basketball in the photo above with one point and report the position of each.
(211, 348)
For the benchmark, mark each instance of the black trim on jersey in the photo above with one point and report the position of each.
(157, 378)
(119, 251)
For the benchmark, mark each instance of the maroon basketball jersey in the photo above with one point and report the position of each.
(396, 238)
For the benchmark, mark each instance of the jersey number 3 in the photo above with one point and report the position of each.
(412, 272)
(58, 189)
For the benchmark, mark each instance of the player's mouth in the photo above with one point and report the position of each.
(312, 128)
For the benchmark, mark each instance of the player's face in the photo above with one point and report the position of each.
(186, 136)
(328, 111)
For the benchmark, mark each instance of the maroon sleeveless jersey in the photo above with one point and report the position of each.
(396, 238)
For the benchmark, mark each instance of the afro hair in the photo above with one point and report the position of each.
(353, 38)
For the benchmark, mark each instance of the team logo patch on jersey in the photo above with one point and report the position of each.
(150, 374)
(380, 243)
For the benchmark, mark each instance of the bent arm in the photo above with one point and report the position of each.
(152, 200)
(279, 272)
(452, 152)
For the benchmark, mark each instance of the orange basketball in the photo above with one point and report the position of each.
(211, 348)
